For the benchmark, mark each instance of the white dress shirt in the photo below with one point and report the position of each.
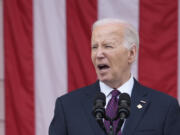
(125, 88)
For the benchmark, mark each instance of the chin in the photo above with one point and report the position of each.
(104, 79)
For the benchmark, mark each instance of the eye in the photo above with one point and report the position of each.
(108, 46)
(93, 46)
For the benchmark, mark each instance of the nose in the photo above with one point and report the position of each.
(100, 53)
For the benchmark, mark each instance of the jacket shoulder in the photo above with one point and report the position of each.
(158, 95)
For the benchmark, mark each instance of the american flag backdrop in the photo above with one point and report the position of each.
(45, 52)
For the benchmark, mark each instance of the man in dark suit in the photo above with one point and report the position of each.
(114, 49)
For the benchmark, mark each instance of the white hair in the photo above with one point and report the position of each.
(130, 36)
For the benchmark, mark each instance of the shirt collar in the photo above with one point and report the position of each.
(125, 88)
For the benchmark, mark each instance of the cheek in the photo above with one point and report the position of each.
(120, 61)
(93, 59)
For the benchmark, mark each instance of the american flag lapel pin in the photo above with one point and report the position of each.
(140, 106)
(142, 101)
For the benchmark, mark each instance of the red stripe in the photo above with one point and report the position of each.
(19, 72)
(80, 16)
(158, 45)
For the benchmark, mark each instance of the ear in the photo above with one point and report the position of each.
(132, 54)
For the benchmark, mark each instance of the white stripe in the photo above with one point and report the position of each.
(179, 50)
(50, 59)
(123, 9)
(2, 116)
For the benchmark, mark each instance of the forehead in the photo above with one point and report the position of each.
(108, 31)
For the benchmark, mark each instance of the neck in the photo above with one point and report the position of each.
(117, 83)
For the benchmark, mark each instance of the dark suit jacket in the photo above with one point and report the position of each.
(159, 115)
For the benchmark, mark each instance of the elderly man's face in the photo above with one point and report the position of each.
(111, 59)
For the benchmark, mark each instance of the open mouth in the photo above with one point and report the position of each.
(103, 66)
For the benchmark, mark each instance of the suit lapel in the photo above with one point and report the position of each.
(87, 104)
(139, 104)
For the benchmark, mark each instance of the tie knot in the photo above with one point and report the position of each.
(115, 93)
